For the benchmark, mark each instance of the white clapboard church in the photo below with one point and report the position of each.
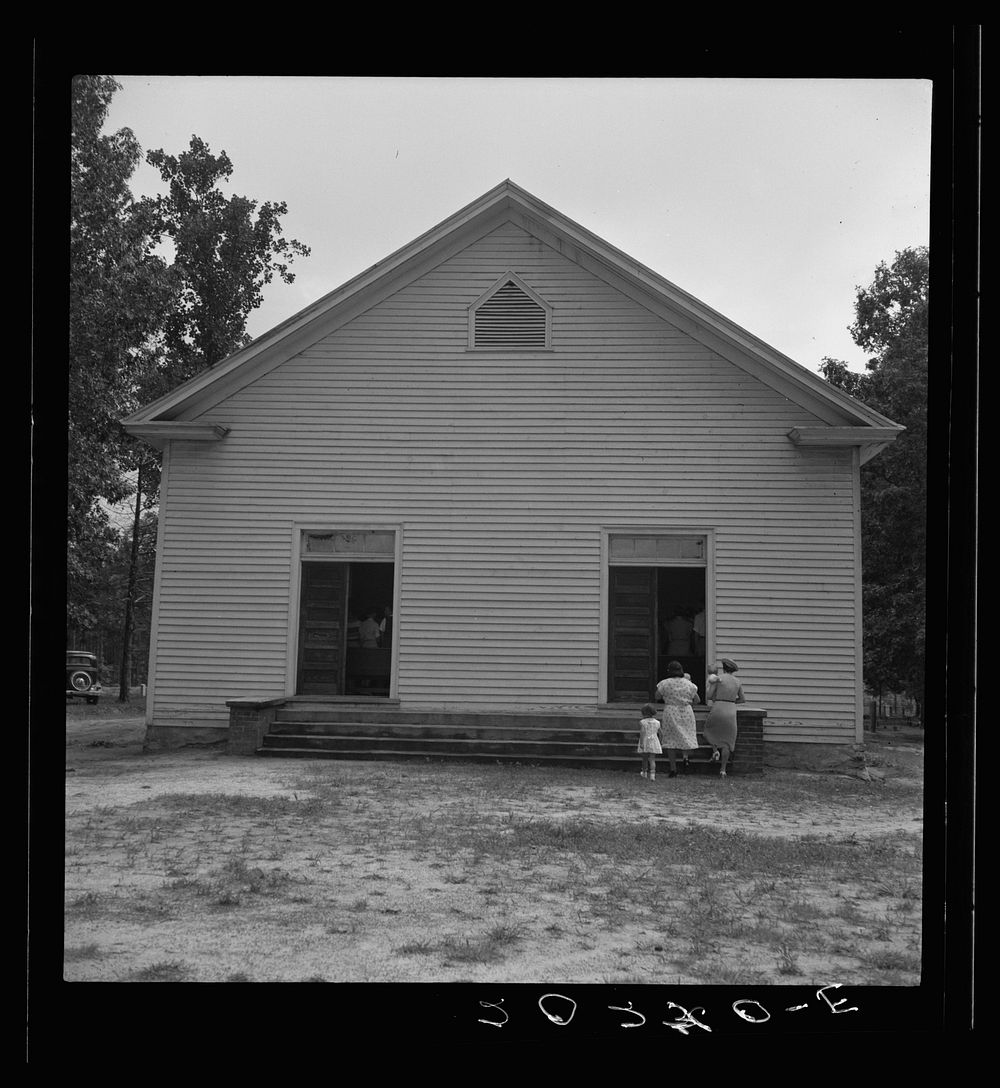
(547, 468)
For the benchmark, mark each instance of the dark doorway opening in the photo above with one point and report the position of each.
(368, 667)
(336, 600)
(680, 598)
(656, 615)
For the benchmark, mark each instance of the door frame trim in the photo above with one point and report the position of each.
(298, 529)
(604, 634)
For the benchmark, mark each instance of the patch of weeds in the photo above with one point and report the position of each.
(457, 950)
(314, 978)
(849, 912)
(416, 948)
(762, 933)
(839, 947)
(890, 959)
(89, 903)
(253, 880)
(231, 883)
(241, 805)
(238, 976)
(788, 961)
(490, 948)
(144, 908)
(502, 933)
(165, 971)
(359, 905)
(350, 928)
(81, 952)
(711, 849)
(801, 910)
(188, 884)
(710, 905)
(456, 878)
(882, 930)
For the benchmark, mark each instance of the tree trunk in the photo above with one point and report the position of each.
(133, 569)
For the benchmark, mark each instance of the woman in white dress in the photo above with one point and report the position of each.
(679, 733)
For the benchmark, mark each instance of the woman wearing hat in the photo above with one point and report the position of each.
(724, 691)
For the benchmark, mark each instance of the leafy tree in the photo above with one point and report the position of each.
(226, 250)
(119, 295)
(139, 326)
(891, 323)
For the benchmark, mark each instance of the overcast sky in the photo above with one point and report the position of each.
(770, 200)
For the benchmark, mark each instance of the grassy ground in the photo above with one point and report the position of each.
(196, 866)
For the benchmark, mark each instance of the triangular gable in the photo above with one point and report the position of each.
(853, 422)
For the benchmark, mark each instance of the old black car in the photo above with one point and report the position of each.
(83, 676)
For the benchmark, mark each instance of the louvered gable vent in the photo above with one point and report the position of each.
(509, 317)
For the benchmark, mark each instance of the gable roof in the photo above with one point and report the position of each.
(846, 420)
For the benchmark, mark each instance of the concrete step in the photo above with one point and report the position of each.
(426, 745)
(372, 740)
(458, 730)
(699, 764)
(626, 719)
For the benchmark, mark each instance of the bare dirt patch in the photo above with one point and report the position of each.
(193, 865)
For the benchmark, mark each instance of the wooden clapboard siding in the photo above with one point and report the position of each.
(502, 468)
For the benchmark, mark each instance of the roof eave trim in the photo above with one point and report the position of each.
(158, 433)
(844, 436)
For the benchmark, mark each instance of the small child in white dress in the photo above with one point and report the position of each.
(649, 741)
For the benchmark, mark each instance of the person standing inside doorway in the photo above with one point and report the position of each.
(679, 635)
(698, 633)
(385, 627)
(369, 631)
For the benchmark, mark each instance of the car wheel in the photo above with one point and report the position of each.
(80, 681)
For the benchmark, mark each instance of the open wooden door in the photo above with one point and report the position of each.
(632, 632)
(322, 628)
